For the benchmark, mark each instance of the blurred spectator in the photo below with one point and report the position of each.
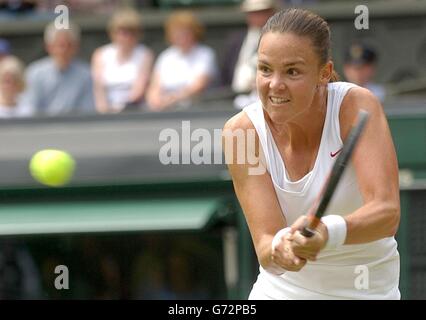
(4, 48)
(149, 280)
(186, 68)
(121, 69)
(17, 6)
(81, 6)
(360, 68)
(240, 60)
(59, 83)
(11, 86)
(19, 276)
(110, 286)
(244, 99)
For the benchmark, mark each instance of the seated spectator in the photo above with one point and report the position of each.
(360, 68)
(121, 69)
(240, 58)
(183, 70)
(4, 48)
(240, 61)
(18, 6)
(19, 275)
(60, 84)
(11, 86)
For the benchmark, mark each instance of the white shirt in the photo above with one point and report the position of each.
(178, 70)
(119, 77)
(335, 274)
(16, 111)
(51, 91)
(244, 79)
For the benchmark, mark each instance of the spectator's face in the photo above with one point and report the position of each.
(9, 86)
(183, 38)
(126, 38)
(257, 19)
(359, 74)
(62, 49)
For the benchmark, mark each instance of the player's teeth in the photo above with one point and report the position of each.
(278, 100)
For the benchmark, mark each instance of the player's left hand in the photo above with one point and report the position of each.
(307, 248)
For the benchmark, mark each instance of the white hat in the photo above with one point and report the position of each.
(257, 5)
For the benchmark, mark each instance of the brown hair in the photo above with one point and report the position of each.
(305, 24)
(126, 19)
(186, 19)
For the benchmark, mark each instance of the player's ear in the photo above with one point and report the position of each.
(326, 72)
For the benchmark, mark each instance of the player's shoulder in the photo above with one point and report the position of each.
(357, 99)
(240, 121)
(360, 98)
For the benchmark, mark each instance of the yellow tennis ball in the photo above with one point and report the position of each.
(54, 168)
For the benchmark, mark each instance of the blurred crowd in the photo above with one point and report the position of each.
(125, 74)
(39, 8)
(113, 266)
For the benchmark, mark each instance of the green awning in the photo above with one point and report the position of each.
(106, 216)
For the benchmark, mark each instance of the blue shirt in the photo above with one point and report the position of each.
(51, 91)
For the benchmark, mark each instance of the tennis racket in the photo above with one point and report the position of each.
(318, 209)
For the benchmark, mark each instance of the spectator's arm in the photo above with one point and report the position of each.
(197, 86)
(87, 103)
(99, 93)
(139, 87)
(31, 97)
(158, 100)
(154, 94)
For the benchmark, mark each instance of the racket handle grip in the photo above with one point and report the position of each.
(306, 232)
(309, 229)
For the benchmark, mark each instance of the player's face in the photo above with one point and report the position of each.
(288, 73)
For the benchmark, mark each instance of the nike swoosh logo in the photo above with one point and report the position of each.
(335, 153)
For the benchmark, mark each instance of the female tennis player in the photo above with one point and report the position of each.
(301, 122)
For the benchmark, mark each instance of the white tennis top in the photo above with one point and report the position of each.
(362, 271)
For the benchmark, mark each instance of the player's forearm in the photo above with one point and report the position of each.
(374, 221)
